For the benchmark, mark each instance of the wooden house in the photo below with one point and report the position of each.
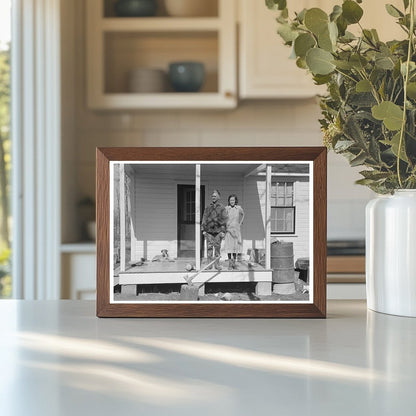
(159, 207)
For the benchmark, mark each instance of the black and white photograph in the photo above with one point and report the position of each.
(211, 232)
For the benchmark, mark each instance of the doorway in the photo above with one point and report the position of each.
(186, 220)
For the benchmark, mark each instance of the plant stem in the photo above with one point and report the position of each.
(405, 81)
(346, 75)
(373, 88)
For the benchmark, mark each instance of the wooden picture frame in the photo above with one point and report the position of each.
(249, 169)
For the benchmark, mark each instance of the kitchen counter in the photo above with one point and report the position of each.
(57, 358)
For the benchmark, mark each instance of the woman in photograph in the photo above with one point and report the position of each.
(233, 241)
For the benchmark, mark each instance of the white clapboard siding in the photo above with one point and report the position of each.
(154, 211)
(253, 228)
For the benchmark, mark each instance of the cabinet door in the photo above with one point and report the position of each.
(265, 68)
(78, 276)
(266, 71)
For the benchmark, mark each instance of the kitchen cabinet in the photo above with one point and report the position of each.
(265, 70)
(118, 45)
(78, 263)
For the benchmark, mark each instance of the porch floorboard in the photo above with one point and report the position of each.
(179, 265)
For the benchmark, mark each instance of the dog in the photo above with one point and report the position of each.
(162, 257)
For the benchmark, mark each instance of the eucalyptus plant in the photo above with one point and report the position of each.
(369, 111)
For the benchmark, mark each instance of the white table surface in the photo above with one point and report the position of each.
(57, 358)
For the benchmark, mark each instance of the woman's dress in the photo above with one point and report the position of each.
(233, 241)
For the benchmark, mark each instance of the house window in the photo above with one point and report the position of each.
(282, 208)
(189, 206)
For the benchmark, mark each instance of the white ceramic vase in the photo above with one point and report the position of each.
(391, 253)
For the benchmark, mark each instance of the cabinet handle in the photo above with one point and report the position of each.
(229, 94)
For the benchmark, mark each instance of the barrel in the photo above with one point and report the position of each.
(282, 262)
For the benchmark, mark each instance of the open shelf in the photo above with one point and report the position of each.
(118, 45)
(160, 24)
(210, 9)
(127, 51)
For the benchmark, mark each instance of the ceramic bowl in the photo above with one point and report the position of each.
(191, 8)
(147, 80)
(186, 76)
(135, 8)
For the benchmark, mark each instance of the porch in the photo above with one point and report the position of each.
(175, 272)
(160, 208)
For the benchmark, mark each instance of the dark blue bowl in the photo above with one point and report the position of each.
(186, 76)
(135, 8)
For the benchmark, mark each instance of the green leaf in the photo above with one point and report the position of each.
(368, 36)
(377, 75)
(321, 79)
(301, 15)
(354, 132)
(406, 4)
(374, 150)
(342, 25)
(375, 35)
(287, 33)
(285, 13)
(301, 63)
(393, 11)
(384, 62)
(365, 182)
(382, 89)
(412, 67)
(347, 37)
(345, 65)
(411, 90)
(303, 43)
(281, 19)
(276, 4)
(358, 61)
(343, 145)
(325, 42)
(358, 160)
(319, 61)
(336, 12)
(394, 145)
(362, 99)
(316, 20)
(374, 174)
(333, 32)
(391, 114)
(351, 11)
(363, 86)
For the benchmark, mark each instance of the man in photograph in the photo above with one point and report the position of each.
(213, 227)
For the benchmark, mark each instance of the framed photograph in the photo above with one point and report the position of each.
(211, 232)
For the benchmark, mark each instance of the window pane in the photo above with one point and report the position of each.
(283, 220)
(282, 194)
(5, 145)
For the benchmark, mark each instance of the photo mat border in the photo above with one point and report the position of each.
(316, 308)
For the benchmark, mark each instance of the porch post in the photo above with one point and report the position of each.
(122, 219)
(268, 214)
(197, 216)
